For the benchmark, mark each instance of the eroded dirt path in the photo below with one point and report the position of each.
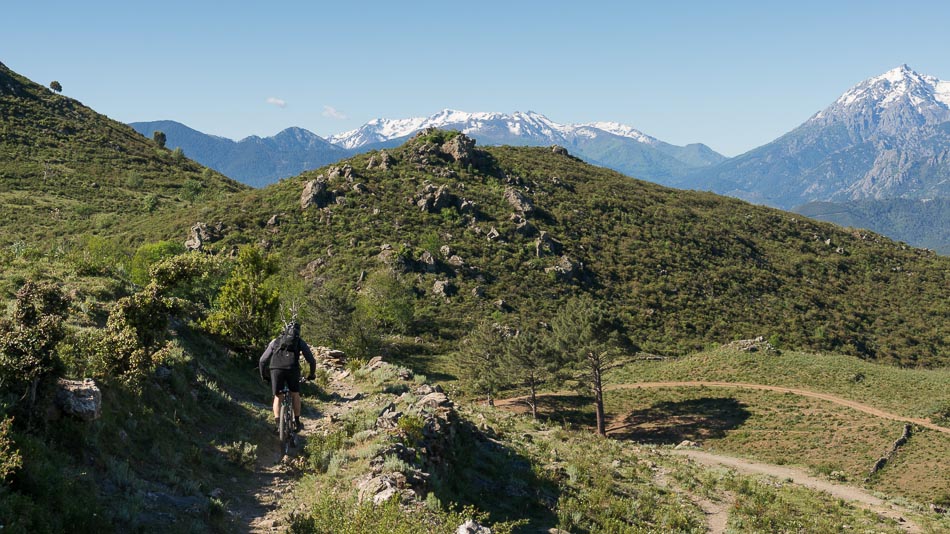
(262, 510)
(716, 513)
(849, 493)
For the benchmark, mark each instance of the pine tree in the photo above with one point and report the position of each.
(588, 339)
(530, 362)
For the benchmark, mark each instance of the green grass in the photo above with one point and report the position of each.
(907, 392)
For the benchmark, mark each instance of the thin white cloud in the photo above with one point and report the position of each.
(277, 102)
(333, 113)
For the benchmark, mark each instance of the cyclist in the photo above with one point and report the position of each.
(282, 358)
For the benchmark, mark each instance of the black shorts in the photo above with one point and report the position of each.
(278, 377)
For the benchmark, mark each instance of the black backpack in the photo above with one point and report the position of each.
(285, 353)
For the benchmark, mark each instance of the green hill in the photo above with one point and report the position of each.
(682, 269)
(66, 170)
(922, 223)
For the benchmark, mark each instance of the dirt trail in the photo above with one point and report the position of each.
(717, 513)
(275, 476)
(803, 392)
(849, 493)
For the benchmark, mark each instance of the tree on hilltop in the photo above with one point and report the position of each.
(56, 86)
(588, 338)
(159, 137)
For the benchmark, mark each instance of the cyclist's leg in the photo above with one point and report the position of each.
(293, 383)
(277, 379)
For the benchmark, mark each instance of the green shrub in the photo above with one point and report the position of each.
(149, 254)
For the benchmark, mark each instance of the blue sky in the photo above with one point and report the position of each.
(733, 75)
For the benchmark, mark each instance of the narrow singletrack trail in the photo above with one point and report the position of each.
(852, 494)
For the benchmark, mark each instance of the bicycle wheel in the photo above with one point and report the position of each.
(285, 422)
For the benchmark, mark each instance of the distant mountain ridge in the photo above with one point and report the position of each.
(609, 144)
(886, 137)
(255, 161)
(260, 161)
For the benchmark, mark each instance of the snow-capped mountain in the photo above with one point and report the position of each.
(258, 161)
(524, 126)
(610, 144)
(886, 137)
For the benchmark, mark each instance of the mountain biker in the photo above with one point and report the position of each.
(282, 358)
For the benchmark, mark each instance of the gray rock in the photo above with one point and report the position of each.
(559, 150)
(443, 288)
(445, 251)
(461, 149)
(519, 201)
(314, 193)
(545, 244)
(472, 527)
(565, 269)
(382, 161)
(79, 398)
(202, 233)
(427, 261)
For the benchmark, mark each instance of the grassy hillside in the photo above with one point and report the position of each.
(66, 170)
(682, 269)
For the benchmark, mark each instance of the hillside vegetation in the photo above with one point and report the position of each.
(67, 171)
(528, 227)
(418, 254)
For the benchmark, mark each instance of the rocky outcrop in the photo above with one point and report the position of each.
(757, 344)
(559, 150)
(472, 527)
(564, 269)
(381, 161)
(202, 234)
(336, 171)
(315, 193)
(545, 244)
(434, 199)
(443, 288)
(519, 201)
(461, 149)
(522, 225)
(79, 398)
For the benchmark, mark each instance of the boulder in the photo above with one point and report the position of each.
(202, 233)
(757, 344)
(360, 189)
(564, 269)
(79, 398)
(314, 193)
(545, 244)
(455, 261)
(460, 148)
(518, 201)
(443, 288)
(559, 150)
(687, 444)
(472, 527)
(274, 220)
(427, 261)
(493, 234)
(445, 251)
(433, 400)
(522, 225)
(382, 161)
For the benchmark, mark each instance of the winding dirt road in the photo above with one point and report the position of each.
(803, 392)
(849, 493)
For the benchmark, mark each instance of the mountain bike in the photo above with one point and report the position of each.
(285, 424)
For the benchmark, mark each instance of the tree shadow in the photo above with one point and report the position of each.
(671, 422)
